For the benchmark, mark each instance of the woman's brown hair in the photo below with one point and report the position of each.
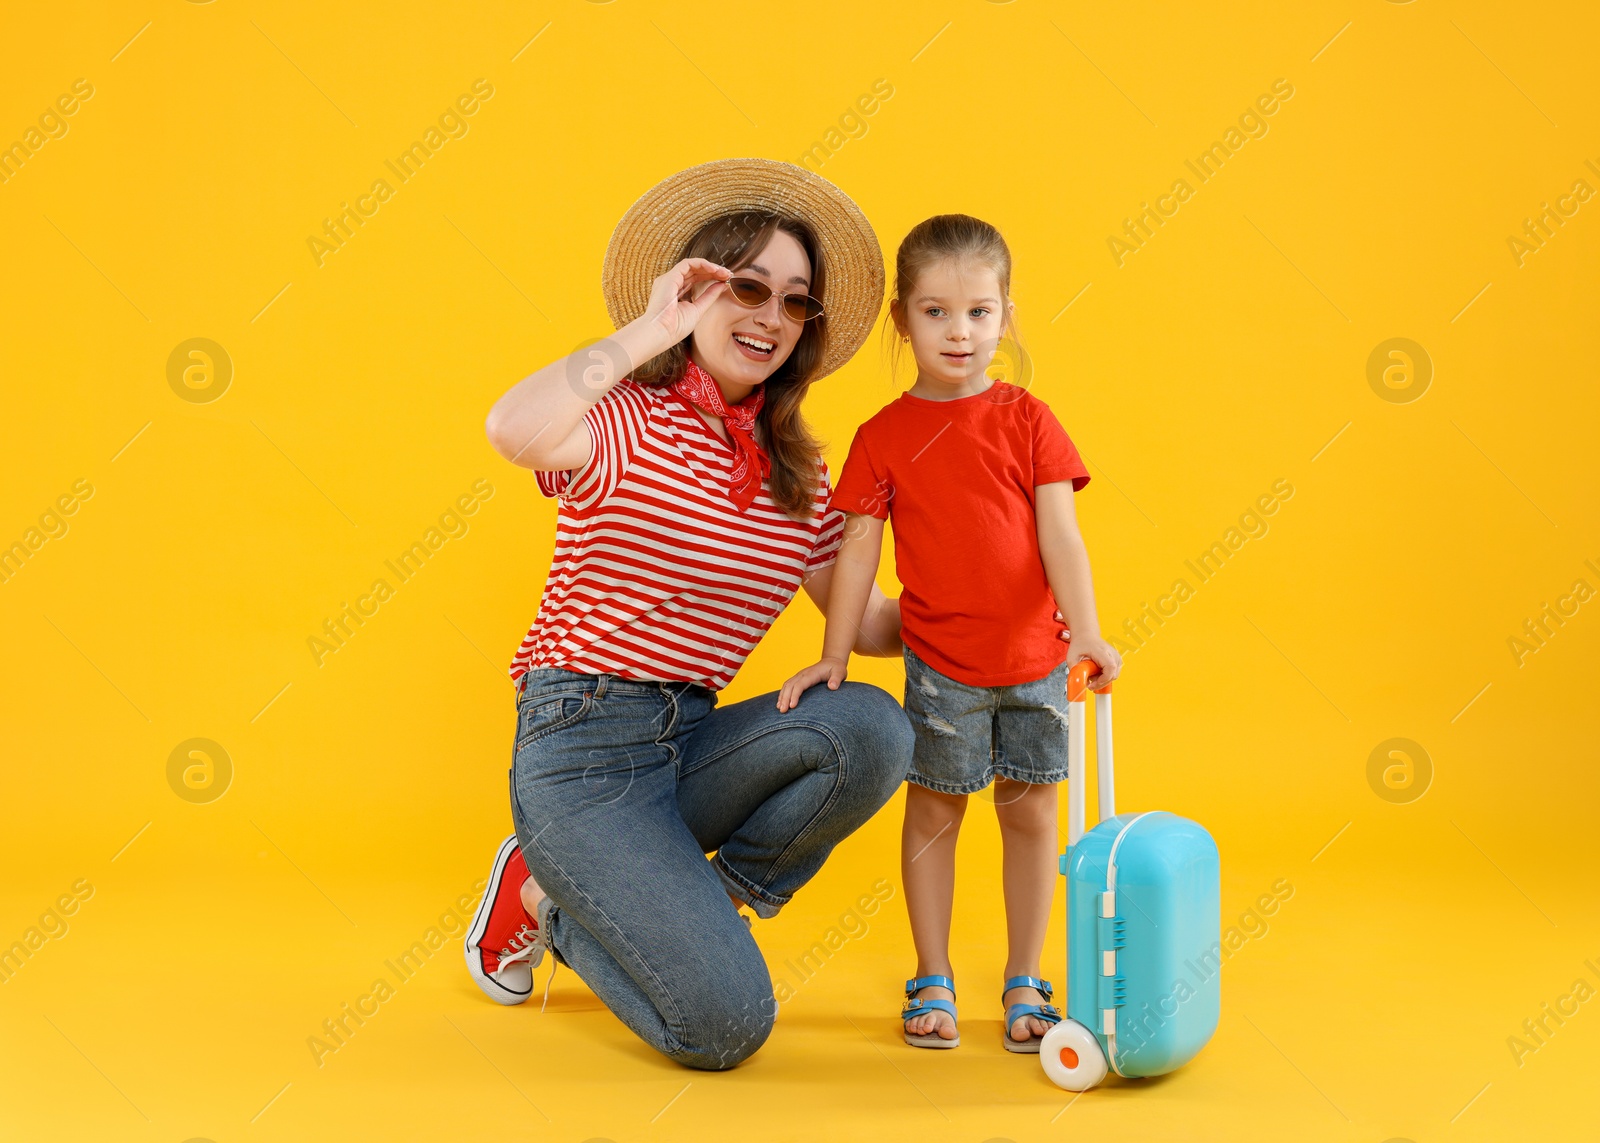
(734, 241)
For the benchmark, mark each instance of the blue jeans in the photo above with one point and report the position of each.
(619, 789)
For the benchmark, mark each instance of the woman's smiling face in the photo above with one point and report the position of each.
(741, 346)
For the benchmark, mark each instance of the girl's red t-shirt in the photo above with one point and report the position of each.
(956, 480)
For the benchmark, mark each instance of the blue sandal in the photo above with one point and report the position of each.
(916, 1006)
(1045, 1012)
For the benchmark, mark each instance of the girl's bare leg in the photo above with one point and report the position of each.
(928, 869)
(1027, 816)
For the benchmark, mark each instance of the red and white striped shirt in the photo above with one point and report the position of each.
(656, 575)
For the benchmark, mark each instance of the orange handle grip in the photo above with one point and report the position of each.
(1078, 680)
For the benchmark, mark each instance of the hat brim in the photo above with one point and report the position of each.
(652, 234)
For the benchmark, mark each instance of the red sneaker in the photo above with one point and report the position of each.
(503, 944)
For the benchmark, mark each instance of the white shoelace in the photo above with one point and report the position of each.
(526, 945)
(548, 981)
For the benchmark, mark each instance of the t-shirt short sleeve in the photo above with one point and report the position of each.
(831, 534)
(616, 423)
(864, 489)
(1055, 457)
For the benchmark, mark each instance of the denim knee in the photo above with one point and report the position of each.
(876, 733)
(726, 1030)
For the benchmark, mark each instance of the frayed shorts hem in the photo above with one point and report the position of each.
(983, 782)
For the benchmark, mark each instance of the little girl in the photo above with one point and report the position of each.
(978, 477)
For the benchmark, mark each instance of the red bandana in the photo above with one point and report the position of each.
(750, 463)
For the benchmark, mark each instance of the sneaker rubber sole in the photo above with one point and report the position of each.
(496, 990)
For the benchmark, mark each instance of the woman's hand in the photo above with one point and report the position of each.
(538, 423)
(830, 670)
(679, 297)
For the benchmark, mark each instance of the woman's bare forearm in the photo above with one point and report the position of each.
(538, 422)
(880, 626)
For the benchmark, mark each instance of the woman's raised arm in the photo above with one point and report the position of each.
(538, 423)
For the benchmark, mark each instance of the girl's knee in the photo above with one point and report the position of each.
(1025, 804)
(932, 806)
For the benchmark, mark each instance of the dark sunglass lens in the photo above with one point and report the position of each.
(749, 291)
(802, 309)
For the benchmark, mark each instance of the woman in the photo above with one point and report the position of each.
(693, 503)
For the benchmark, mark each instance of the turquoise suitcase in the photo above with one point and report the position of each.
(1144, 952)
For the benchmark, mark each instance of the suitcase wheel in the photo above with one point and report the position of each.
(1071, 1056)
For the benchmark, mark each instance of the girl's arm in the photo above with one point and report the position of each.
(854, 576)
(1066, 566)
(538, 423)
(879, 633)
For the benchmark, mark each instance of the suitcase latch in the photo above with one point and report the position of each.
(1111, 988)
(1111, 992)
(1113, 933)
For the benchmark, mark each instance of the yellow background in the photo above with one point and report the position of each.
(1226, 354)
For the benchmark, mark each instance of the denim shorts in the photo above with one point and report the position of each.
(967, 736)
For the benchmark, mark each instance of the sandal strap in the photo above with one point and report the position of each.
(1042, 985)
(917, 983)
(1046, 1012)
(920, 1007)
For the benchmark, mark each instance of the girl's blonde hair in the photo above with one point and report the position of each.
(940, 239)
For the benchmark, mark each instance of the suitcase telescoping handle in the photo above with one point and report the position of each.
(1077, 763)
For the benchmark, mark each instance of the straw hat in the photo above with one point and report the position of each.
(650, 237)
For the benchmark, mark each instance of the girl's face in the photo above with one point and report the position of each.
(955, 315)
(741, 346)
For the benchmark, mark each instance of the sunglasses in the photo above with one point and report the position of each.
(754, 292)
